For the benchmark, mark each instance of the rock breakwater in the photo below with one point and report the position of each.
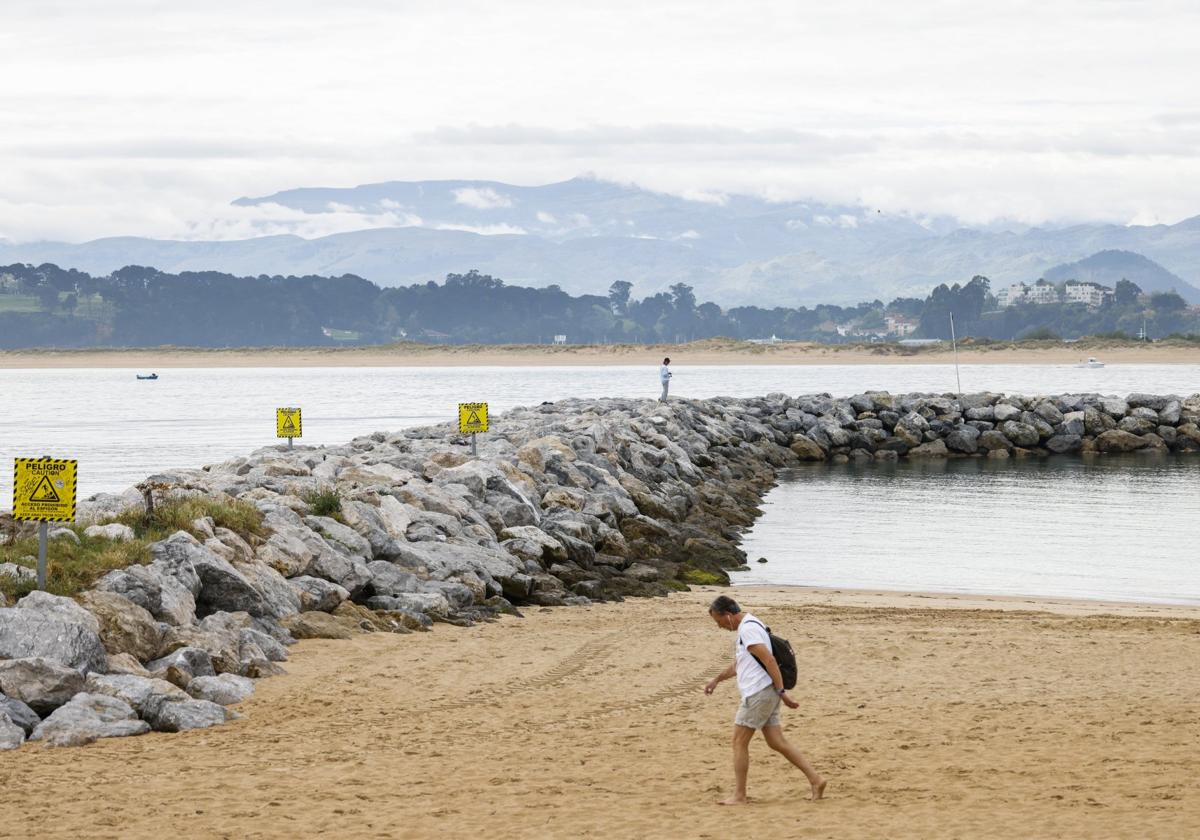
(566, 503)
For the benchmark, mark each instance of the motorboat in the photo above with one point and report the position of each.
(155, 376)
(1090, 363)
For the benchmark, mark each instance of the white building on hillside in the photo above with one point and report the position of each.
(1091, 294)
(1043, 291)
(900, 326)
(1040, 292)
(1013, 294)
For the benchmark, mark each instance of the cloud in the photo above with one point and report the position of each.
(481, 198)
(484, 230)
(135, 117)
(546, 218)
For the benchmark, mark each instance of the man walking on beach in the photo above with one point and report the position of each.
(664, 376)
(761, 687)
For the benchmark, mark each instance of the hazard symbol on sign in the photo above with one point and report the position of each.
(472, 418)
(287, 423)
(44, 489)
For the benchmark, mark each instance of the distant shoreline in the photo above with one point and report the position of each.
(711, 352)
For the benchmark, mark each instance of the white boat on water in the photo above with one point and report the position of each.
(1090, 363)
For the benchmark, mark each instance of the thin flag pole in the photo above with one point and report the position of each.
(954, 344)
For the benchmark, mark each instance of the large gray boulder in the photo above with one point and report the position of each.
(278, 598)
(1061, 444)
(390, 579)
(448, 560)
(1116, 440)
(143, 694)
(341, 537)
(54, 628)
(963, 439)
(21, 574)
(60, 608)
(41, 684)
(86, 718)
(1022, 434)
(1137, 425)
(11, 735)
(1003, 412)
(183, 665)
(223, 689)
(114, 531)
(318, 594)
(1049, 412)
(19, 713)
(212, 580)
(125, 627)
(183, 715)
(150, 588)
(433, 604)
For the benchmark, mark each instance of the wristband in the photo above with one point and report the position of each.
(781, 692)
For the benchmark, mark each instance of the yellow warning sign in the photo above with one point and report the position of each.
(287, 423)
(44, 489)
(472, 418)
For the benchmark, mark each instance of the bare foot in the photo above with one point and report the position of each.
(818, 790)
(734, 800)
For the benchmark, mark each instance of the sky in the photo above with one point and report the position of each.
(131, 117)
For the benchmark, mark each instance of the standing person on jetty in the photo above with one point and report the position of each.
(664, 376)
(761, 687)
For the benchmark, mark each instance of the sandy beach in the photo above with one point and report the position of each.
(932, 716)
(712, 352)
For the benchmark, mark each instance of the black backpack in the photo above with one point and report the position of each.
(785, 657)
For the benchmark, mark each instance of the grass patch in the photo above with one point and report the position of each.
(243, 518)
(702, 577)
(72, 568)
(324, 501)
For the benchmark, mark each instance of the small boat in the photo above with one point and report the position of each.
(151, 376)
(1090, 363)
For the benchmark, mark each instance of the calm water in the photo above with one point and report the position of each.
(122, 429)
(1112, 529)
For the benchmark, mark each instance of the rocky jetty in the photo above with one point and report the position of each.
(565, 504)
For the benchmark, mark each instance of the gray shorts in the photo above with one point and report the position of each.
(759, 710)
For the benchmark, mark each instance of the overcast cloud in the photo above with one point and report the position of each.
(146, 118)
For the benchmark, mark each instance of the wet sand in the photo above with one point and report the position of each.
(717, 352)
(932, 716)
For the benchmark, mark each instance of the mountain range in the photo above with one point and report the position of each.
(585, 233)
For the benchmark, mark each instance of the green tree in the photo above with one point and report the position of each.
(1167, 303)
(1126, 293)
(618, 297)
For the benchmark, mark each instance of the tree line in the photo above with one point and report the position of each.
(137, 306)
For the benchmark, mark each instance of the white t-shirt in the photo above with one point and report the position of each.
(664, 373)
(752, 677)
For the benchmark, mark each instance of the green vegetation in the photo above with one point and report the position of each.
(325, 501)
(72, 568)
(136, 306)
(702, 577)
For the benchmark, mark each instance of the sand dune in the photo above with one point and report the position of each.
(932, 717)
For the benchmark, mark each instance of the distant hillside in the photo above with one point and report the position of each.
(1107, 267)
(584, 234)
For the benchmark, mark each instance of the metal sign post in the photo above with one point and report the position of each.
(288, 424)
(954, 344)
(43, 538)
(44, 492)
(472, 420)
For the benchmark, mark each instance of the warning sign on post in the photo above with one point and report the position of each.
(287, 423)
(472, 418)
(44, 489)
